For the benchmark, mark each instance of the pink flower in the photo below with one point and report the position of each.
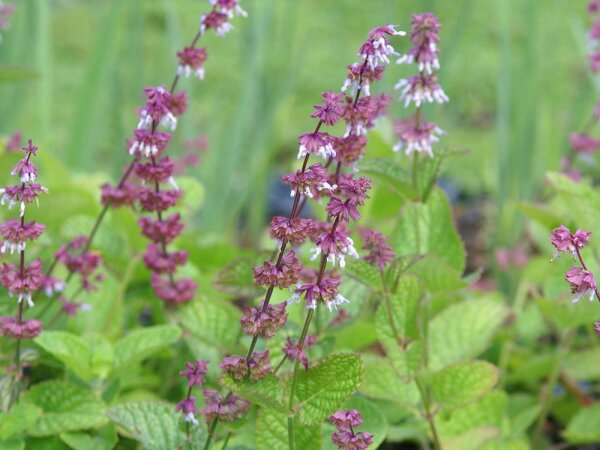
(229, 7)
(28, 329)
(583, 143)
(149, 143)
(226, 409)
(350, 149)
(330, 111)
(161, 230)
(23, 193)
(377, 48)
(563, 240)
(294, 230)
(194, 372)
(325, 291)
(597, 327)
(344, 420)
(595, 61)
(306, 182)
(582, 282)
(160, 261)
(260, 365)
(159, 171)
(175, 293)
(236, 366)
(420, 90)
(293, 352)
(22, 284)
(153, 201)
(216, 20)
(282, 275)
(413, 138)
(256, 322)
(15, 235)
(336, 246)
(188, 408)
(156, 111)
(316, 143)
(116, 197)
(191, 60)
(363, 76)
(424, 38)
(345, 209)
(179, 103)
(346, 438)
(594, 6)
(14, 142)
(380, 253)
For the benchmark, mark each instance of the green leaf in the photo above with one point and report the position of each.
(397, 267)
(14, 443)
(104, 438)
(462, 383)
(583, 365)
(68, 348)
(565, 314)
(489, 411)
(215, 323)
(473, 439)
(154, 424)
(266, 392)
(391, 173)
(20, 417)
(65, 407)
(322, 389)
(236, 278)
(437, 275)
(364, 273)
(463, 330)
(141, 343)
(542, 214)
(396, 326)
(272, 432)
(428, 228)
(11, 74)
(583, 427)
(381, 382)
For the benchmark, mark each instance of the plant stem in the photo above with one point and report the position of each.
(309, 317)
(226, 441)
(211, 432)
(426, 405)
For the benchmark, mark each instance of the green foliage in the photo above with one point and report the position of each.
(141, 343)
(583, 428)
(463, 330)
(64, 407)
(266, 392)
(462, 383)
(104, 438)
(214, 323)
(272, 432)
(154, 424)
(322, 390)
(427, 228)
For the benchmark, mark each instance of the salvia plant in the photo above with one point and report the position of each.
(356, 321)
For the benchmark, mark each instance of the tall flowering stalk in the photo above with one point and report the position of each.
(583, 144)
(332, 242)
(21, 280)
(415, 134)
(155, 189)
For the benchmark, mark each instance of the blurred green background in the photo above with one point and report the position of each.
(515, 70)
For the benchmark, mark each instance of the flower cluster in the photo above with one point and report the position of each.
(21, 280)
(414, 133)
(580, 279)
(582, 144)
(220, 15)
(346, 437)
(380, 253)
(6, 11)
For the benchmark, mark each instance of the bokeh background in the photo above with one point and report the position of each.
(515, 70)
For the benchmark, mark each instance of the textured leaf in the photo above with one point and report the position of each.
(20, 417)
(583, 427)
(103, 439)
(428, 228)
(461, 383)
(396, 326)
(216, 324)
(389, 172)
(272, 432)
(463, 330)
(154, 424)
(381, 382)
(364, 272)
(65, 407)
(437, 275)
(141, 343)
(397, 267)
(266, 392)
(322, 389)
(565, 314)
(236, 278)
(583, 365)
(486, 412)
(68, 348)
(473, 439)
